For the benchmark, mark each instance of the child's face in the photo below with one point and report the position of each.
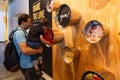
(41, 21)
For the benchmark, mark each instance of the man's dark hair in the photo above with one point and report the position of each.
(23, 17)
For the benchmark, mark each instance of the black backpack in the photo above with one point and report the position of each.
(11, 59)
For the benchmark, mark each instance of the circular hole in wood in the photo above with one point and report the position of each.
(91, 75)
(70, 54)
(62, 17)
(94, 31)
(49, 36)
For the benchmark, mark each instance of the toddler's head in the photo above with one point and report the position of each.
(44, 23)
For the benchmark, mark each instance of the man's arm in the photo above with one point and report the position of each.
(27, 50)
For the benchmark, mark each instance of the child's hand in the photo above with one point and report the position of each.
(49, 44)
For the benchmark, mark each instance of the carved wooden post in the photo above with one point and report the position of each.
(58, 36)
(56, 5)
(71, 54)
(66, 16)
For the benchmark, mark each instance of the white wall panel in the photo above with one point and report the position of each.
(16, 7)
(2, 26)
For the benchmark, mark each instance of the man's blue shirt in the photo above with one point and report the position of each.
(25, 60)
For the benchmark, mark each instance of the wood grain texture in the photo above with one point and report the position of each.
(102, 57)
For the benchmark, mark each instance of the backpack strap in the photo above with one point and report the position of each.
(13, 41)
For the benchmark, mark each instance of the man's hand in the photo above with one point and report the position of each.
(40, 49)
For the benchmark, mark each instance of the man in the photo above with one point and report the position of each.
(24, 22)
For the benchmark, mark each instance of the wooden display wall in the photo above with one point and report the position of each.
(102, 57)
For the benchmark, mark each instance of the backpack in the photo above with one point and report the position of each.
(11, 59)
